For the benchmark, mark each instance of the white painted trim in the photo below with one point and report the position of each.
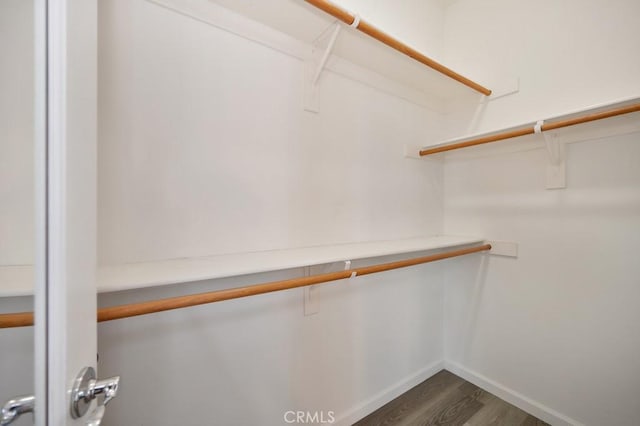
(524, 403)
(56, 183)
(71, 254)
(388, 394)
(39, 276)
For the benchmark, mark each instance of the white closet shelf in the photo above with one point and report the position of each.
(305, 23)
(628, 107)
(18, 280)
(173, 271)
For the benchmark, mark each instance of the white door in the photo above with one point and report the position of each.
(50, 68)
(70, 333)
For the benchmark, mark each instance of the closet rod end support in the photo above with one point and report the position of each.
(503, 248)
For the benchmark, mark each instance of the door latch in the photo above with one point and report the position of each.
(86, 388)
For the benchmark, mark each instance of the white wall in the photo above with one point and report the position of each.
(16, 356)
(16, 132)
(559, 324)
(204, 148)
(555, 330)
(418, 23)
(248, 361)
(16, 187)
(568, 55)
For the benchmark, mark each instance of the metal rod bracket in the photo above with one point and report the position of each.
(314, 67)
(556, 167)
(311, 299)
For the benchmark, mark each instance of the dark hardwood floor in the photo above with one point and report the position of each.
(446, 399)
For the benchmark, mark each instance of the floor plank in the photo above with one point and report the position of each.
(492, 408)
(453, 396)
(497, 412)
(532, 421)
(447, 400)
(458, 412)
(424, 396)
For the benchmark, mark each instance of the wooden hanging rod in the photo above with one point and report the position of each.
(531, 130)
(349, 19)
(24, 319)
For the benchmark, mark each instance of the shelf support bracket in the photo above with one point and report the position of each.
(311, 298)
(311, 301)
(556, 167)
(314, 67)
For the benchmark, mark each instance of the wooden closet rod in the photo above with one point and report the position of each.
(349, 19)
(531, 130)
(24, 319)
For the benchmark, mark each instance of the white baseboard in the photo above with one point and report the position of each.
(386, 395)
(530, 406)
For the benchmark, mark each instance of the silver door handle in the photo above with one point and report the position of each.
(15, 408)
(86, 388)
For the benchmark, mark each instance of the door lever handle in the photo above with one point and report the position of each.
(107, 387)
(87, 388)
(15, 408)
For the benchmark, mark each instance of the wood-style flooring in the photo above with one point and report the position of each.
(446, 399)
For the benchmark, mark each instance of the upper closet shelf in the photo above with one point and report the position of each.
(574, 118)
(359, 42)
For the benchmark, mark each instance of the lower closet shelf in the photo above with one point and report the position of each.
(18, 280)
(149, 274)
(25, 319)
